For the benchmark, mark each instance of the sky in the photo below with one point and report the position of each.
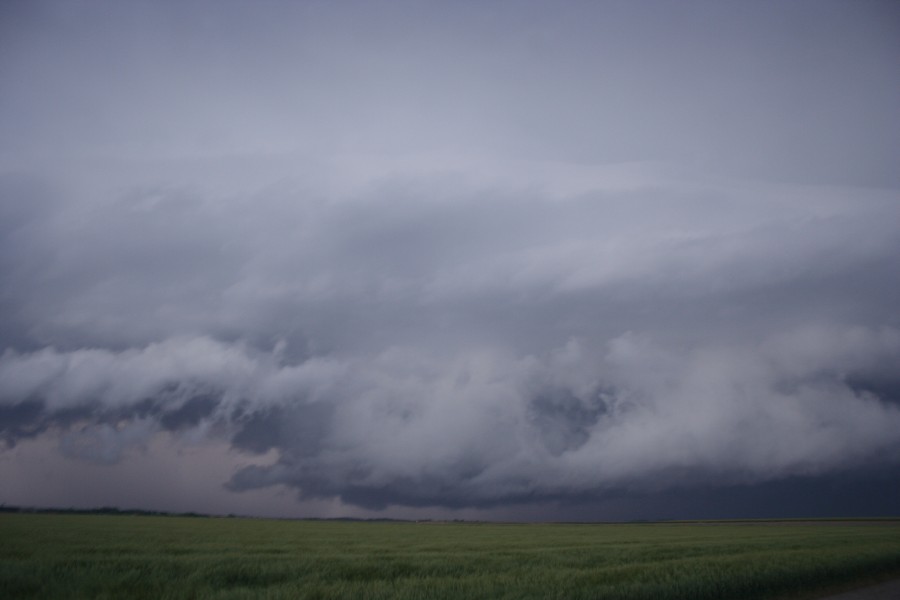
(481, 260)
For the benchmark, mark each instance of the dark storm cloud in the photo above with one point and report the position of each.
(550, 352)
(23, 419)
(399, 250)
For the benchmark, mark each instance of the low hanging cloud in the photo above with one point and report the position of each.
(434, 340)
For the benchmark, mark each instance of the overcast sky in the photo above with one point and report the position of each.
(505, 260)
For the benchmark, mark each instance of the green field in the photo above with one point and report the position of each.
(102, 556)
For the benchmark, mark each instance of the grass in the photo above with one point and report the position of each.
(90, 556)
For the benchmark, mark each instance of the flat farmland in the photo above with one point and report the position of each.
(119, 556)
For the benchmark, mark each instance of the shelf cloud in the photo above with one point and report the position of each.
(423, 256)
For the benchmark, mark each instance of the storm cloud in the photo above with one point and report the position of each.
(423, 255)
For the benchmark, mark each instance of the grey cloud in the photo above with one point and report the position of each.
(564, 420)
(800, 92)
(302, 427)
(400, 428)
(480, 348)
(22, 419)
(290, 264)
(428, 255)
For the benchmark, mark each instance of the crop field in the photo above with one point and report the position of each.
(103, 556)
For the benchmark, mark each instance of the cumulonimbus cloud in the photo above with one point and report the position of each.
(491, 343)
(485, 426)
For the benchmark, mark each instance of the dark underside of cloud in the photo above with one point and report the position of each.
(546, 263)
